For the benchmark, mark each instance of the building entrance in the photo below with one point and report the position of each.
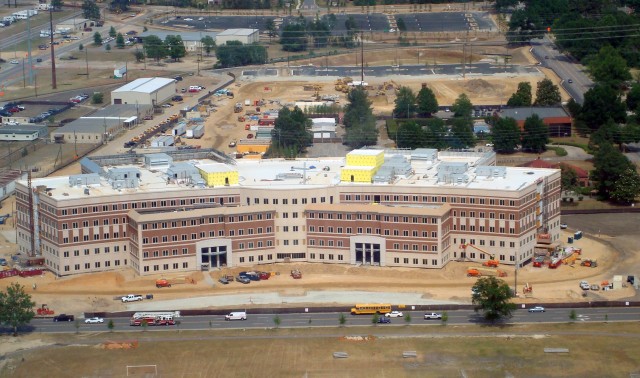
(368, 253)
(216, 257)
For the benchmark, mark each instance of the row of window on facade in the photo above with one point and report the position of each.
(492, 229)
(203, 234)
(396, 260)
(165, 267)
(105, 236)
(96, 265)
(433, 199)
(211, 220)
(369, 231)
(482, 215)
(372, 217)
(294, 201)
(140, 205)
(96, 251)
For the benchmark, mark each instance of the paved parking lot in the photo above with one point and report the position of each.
(373, 22)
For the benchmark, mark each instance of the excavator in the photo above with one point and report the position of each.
(491, 262)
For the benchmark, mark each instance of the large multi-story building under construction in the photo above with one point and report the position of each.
(196, 209)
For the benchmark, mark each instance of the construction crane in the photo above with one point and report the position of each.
(491, 262)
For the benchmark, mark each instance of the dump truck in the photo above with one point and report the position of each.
(296, 274)
(237, 108)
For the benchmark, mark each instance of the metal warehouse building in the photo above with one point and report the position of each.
(145, 91)
(246, 36)
(102, 125)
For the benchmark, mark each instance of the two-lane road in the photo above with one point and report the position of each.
(545, 51)
(306, 320)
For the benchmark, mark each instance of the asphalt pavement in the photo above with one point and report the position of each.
(308, 320)
(547, 53)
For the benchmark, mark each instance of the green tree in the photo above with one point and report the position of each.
(342, 320)
(90, 10)
(277, 321)
(402, 27)
(462, 106)
(535, 135)
(144, 324)
(108, 47)
(234, 53)
(97, 39)
(121, 5)
(445, 318)
(547, 93)
(176, 47)
(427, 102)
(435, 134)
(627, 187)
(292, 133)
(407, 318)
(97, 98)
(601, 103)
(568, 177)
(56, 4)
(208, 43)
(270, 26)
(120, 41)
(573, 315)
(492, 296)
(375, 318)
(81, 47)
(522, 97)
(16, 307)
(112, 32)
(111, 325)
(139, 55)
(609, 165)
(633, 98)
(409, 135)
(359, 120)
(462, 133)
(505, 135)
(155, 48)
(405, 103)
(76, 324)
(609, 67)
(294, 37)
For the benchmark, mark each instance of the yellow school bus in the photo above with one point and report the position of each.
(371, 308)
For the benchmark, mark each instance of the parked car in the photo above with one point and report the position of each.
(384, 320)
(570, 81)
(232, 143)
(167, 105)
(178, 78)
(176, 98)
(223, 280)
(563, 226)
(14, 61)
(39, 60)
(88, 29)
(537, 309)
(94, 320)
(148, 117)
(394, 314)
(243, 279)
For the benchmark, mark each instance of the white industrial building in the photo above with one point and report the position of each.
(102, 125)
(22, 133)
(246, 36)
(323, 128)
(145, 91)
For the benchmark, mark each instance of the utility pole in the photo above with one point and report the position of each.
(29, 47)
(86, 60)
(53, 55)
(361, 60)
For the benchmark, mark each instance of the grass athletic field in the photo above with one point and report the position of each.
(595, 350)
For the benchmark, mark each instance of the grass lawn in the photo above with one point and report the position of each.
(595, 350)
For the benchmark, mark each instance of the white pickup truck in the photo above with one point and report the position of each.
(132, 298)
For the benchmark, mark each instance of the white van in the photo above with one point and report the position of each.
(238, 315)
